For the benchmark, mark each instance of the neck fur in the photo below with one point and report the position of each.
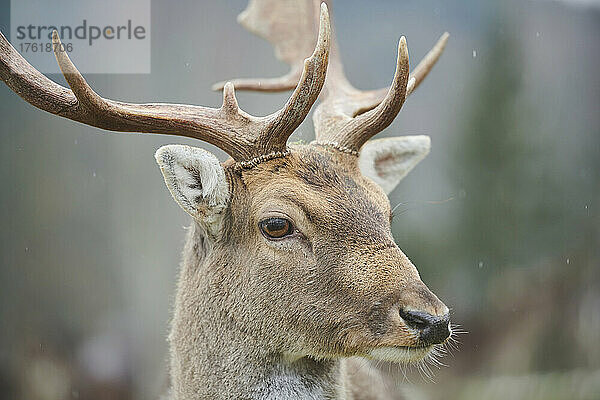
(212, 357)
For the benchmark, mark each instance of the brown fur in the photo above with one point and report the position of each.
(249, 309)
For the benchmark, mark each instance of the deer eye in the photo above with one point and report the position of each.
(276, 228)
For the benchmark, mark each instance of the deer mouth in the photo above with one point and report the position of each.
(400, 354)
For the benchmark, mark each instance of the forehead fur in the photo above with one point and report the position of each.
(316, 168)
(326, 185)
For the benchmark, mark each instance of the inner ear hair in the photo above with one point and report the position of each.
(387, 161)
(195, 178)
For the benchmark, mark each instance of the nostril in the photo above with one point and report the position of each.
(433, 329)
(414, 319)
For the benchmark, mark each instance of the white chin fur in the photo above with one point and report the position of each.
(400, 355)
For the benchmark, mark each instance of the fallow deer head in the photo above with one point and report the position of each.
(298, 249)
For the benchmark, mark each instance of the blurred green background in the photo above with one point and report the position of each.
(501, 219)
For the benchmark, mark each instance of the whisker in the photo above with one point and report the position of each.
(419, 204)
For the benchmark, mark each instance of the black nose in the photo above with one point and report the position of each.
(434, 329)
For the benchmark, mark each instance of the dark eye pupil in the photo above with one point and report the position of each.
(276, 227)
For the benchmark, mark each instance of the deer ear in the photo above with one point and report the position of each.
(387, 161)
(196, 180)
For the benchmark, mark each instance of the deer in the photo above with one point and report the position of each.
(291, 280)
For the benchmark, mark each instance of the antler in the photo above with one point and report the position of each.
(346, 116)
(344, 120)
(241, 135)
(269, 19)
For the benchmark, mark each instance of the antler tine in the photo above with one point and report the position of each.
(83, 92)
(307, 90)
(372, 98)
(427, 63)
(32, 85)
(275, 20)
(286, 82)
(354, 132)
(241, 135)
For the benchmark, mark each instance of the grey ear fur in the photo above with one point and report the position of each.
(386, 161)
(196, 180)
